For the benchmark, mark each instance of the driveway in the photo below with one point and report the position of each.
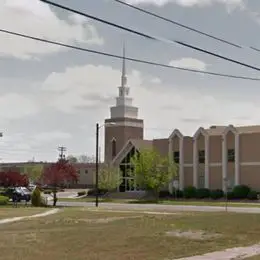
(156, 207)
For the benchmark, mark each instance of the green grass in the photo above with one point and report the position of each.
(77, 233)
(10, 212)
(168, 202)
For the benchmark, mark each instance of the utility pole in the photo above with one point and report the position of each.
(62, 149)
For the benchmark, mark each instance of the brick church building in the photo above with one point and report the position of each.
(218, 157)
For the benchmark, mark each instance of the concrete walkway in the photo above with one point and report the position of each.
(44, 214)
(228, 254)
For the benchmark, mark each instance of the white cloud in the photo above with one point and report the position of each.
(35, 18)
(175, 107)
(48, 137)
(156, 80)
(17, 106)
(189, 63)
(189, 3)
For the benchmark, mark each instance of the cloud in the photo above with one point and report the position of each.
(17, 106)
(190, 3)
(48, 137)
(189, 63)
(175, 106)
(156, 81)
(35, 18)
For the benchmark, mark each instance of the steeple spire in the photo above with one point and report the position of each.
(123, 77)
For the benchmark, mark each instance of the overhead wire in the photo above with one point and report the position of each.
(142, 10)
(126, 58)
(150, 37)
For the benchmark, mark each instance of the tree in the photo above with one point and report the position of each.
(151, 171)
(33, 172)
(57, 174)
(81, 159)
(72, 159)
(109, 177)
(13, 178)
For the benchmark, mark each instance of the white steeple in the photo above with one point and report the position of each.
(124, 108)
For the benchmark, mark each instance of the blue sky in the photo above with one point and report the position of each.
(52, 96)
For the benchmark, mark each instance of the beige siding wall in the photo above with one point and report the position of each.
(215, 149)
(188, 176)
(250, 175)
(162, 146)
(188, 150)
(249, 147)
(215, 178)
(201, 142)
(87, 176)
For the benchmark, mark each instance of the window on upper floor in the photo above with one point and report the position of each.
(176, 157)
(231, 155)
(86, 171)
(201, 156)
(113, 148)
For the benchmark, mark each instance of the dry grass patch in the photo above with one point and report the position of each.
(79, 234)
(10, 212)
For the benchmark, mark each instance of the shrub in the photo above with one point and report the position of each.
(47, 192)
(164, 194)
(177, 194)
(189, 192)
(241, 191)
(36, 198)
(92, 192)
(202, 193)
(252, 195)
(82, 193)
(230, 195)
(216, 194)
(4, 200)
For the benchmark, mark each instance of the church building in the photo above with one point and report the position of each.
(218, 157)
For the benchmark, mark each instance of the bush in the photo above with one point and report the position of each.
(47, 192)
(216, 194)
(189, 192)
(36, 198)
(82, 193)
(230, 195)
(252, 195)
(164, 194)
(178, 194)
(4, 200)
(101, 192)
(241, 191)
(202, 193)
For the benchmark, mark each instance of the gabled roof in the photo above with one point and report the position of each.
(138, 144)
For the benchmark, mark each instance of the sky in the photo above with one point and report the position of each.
(52, 96)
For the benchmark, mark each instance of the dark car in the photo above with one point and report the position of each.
(18, 193)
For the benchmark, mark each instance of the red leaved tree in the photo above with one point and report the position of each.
(12, 178)
(57, 174)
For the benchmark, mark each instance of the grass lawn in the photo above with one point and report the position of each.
(10, 212)
(169, 202)
(77, 233)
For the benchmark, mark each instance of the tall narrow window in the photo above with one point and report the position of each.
(113, 148)
(201, 156)
(176, 157)
(231, 155)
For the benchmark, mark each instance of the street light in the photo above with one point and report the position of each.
(97, 155)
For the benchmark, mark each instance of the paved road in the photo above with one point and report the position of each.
(156, 207)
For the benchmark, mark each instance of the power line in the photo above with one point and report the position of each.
(147, 36)
(62, 149)
(142, 10)
(127, 58)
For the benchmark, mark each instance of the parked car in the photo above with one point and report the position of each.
(22, 193)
